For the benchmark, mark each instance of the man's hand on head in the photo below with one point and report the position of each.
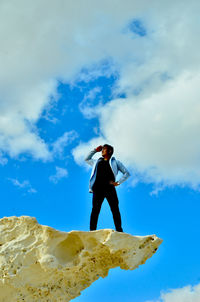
(114, 183)
(99, 148)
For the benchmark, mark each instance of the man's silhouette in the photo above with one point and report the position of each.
(102, 184)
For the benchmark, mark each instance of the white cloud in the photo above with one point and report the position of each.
(42, 42)
(25, 185)
(186, 294)
(157, 135)
(60, 173)
(63, 141)
(156, 132)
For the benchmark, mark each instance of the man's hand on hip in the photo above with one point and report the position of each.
(114, 183)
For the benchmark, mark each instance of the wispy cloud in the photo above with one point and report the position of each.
(60, 173)
(86, 106)
(59, 145)
(156, 190)
(24, 185)
(3, 159)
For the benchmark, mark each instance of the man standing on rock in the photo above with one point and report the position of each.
(102, 184)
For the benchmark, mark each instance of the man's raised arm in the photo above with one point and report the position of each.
(89, 159)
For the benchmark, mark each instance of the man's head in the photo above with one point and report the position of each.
(107, 150)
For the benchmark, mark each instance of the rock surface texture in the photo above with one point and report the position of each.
(39, 263)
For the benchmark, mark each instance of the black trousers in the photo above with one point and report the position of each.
(98, 197)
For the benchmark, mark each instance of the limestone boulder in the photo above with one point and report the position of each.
(41, 264)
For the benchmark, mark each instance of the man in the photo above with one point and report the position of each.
(103, 182)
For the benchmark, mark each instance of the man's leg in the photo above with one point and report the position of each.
(97, 201)
(111, 196)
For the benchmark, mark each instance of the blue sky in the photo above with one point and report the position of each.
(125, 75)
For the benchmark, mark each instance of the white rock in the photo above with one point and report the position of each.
(41, 264)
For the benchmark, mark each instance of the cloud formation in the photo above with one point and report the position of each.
(59, 145)
(153, 48)
(186, 294)
(60, 173)
(43, 42)
(25, 185)
(158, 134)
(154, 128)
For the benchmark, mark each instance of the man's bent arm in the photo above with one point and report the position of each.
(89, 159)
(124, 171)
